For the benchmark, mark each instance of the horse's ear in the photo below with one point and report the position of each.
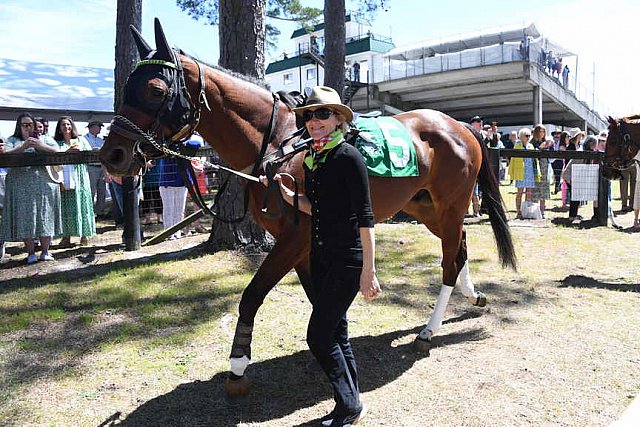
(143, 47)
(611, 120)
(163, 51)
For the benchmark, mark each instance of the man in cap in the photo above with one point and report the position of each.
(476, 122)
(96, 173)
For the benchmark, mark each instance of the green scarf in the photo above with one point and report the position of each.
(315, 158)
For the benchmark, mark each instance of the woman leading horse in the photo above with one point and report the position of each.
(169, 95)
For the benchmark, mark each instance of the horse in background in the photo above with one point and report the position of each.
(623, 145)
(170, 94)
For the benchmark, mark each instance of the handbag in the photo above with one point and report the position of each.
(530, 210)
(55, 173)
(68, 182)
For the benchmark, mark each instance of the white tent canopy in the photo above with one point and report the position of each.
(53, 90)
(460, 42)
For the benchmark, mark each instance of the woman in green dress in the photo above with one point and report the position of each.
(32, 198)
(78, 218)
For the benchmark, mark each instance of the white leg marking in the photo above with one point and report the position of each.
(438, 313)
(239, 365)
(466, 284)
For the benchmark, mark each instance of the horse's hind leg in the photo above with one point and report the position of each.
(459, 268)
(465, 283)
(454, 254)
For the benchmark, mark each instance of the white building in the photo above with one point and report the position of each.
(303, 66)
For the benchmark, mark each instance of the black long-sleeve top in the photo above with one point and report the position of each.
(338, 191)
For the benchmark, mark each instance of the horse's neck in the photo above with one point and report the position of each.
(239, 117)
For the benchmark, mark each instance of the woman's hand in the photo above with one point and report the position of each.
(369, 285)
(30, 142)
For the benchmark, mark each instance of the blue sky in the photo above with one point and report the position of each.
(83, 33)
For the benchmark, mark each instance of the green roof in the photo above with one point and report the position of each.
(286, 64)
(364, 44)
(302, 31)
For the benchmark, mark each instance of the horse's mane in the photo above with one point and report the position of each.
(254, 80)
(632, 120)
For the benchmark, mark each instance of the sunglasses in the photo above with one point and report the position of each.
(320, 114)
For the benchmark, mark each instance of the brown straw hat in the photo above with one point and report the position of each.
(323, 96)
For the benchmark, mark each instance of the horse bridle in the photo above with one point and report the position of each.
(129, 130)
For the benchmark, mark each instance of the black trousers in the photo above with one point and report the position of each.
(336, 282)
(573, 205)
(557, 166)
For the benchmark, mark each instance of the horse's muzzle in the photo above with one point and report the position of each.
(119, 160)
(611, 173)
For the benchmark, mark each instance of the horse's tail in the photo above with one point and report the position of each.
(493, 203)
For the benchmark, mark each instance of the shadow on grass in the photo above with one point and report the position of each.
(579, 281)
(100, 315)
(75, 273)
(283, 385)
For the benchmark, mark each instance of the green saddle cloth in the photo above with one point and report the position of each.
(386, 146)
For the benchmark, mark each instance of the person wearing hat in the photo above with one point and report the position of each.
(476, 122)
(96, 172)
(575, 139)
(342, 244)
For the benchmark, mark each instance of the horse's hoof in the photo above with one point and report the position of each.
(481, 300)
(235, 386)
(422, 345)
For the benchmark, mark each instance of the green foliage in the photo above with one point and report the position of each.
(283, 10)
(286, 10)
(205, 10)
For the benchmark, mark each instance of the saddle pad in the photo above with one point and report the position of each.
(387, 147)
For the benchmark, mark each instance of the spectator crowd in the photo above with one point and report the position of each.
(42, 203)
(39, 204)
(536, 180)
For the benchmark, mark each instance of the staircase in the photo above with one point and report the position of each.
(314, 53)
(350, 89)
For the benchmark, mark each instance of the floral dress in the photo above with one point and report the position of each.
(78, 218)
(32, 201)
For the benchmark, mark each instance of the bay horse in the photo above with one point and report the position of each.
(623, 145)
(170, 94)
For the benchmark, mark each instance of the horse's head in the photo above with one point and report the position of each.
(623, 143)
(157, 109)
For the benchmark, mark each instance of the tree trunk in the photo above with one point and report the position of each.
(242, 36)
(334, 42)
(242, 39)
(129, 12)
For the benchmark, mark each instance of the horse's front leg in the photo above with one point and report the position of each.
(288, 252)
